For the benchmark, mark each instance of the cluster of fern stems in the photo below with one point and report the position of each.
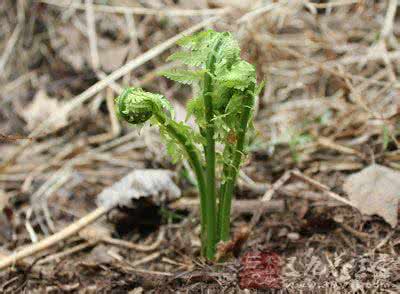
(223, 108)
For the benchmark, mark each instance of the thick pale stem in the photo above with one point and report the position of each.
(232, 171)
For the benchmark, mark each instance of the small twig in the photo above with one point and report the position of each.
(29, 228)
(39, 200)
(325, 189)
(134, 47)
(9, 47)
(246, 181)
(286, 176)
(256, 12)
(387, 27)
(67, 252)
(384, 240)
(259, 211)
(325, 142)
(115, 125)
(146, 259)
(359, 235)
(91, 27)
(277, 185)
(175, 263)
(134, 246)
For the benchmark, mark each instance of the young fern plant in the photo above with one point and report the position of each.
(223, 111)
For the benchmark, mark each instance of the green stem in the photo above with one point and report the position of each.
(225, 174)
(209, 133)
(226, 199)
(195, 162)
(210, 167)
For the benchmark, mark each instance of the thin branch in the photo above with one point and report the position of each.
(91, 27)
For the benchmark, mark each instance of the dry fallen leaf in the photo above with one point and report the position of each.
(72, 46)
(41, 108)
(375, 190)
(99, 255)
(137, 184)
(112, 58)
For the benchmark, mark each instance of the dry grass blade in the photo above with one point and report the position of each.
(137, 10)
(9, 48)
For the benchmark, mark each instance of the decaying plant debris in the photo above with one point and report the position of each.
(330, 108)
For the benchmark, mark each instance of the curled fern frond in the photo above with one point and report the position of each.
(137, 106)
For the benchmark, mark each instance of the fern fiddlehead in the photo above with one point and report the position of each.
(137, 106)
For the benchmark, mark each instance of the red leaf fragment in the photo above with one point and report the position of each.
(260, 270)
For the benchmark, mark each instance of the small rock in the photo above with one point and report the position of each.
(293, 236)
(283, 232)
(138, 290)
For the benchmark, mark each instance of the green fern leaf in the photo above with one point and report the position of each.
(187, 77)
(239, 76)
(228, 51)
(174, 148)
(192, 58)
(195, 108)
(199, 40)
